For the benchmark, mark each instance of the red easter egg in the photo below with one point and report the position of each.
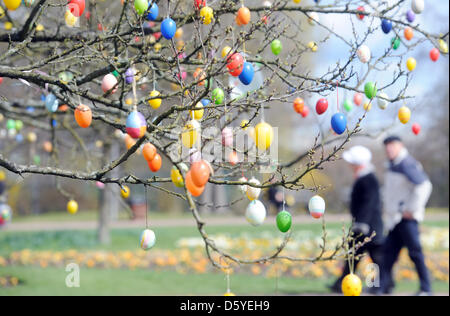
(200, 173)
(358, 99)
(434, 54)
(299, 104)
(1, 80)
(360, 9)
(83, 116)
(235, 64)
(155, 163)
(199, 4)
(416, 128)
(76, 7)
(305, 111)
(321, 106)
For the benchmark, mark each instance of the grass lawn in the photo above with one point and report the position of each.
(51, 281)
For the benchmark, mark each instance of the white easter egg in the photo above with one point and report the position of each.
(252, 192)
(255, 213)
(418, 6)
(243, 188)
(148, 239)
(382, 104)
(316, 206)
(364, 53)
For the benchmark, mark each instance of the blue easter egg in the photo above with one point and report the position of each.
(19, 138)
(339, 123)
(153, 12)
(247, 74)
(386, 26)
(51, 103)
(42, 97)
(168, 28)
(54, 123)
(205, 102)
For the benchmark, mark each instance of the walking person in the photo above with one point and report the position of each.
(406, 193)
(365, 208)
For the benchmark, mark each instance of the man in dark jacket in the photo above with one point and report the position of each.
(365, 208)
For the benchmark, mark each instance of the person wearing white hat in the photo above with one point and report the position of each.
(365, 208)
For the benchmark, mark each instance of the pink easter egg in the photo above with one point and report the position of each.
(108, 83)
(227, 137)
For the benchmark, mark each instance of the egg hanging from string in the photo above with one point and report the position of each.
(193, 189)
(200, 173)
(284, 221)
(51, 102)
(395, 42)
(190, 134)
(218, 96)
(276, 46)
(136, 125)
(176, 177)
(129, 75)
(155, 164)
(148, 239)
(410, 16)
(197, 114)
(386, 26)
(321, 106)
(83, 116)
(125, 192)
(411, 63)
(316, 206)
(247, 74)
(12, 5)
(348, 105)
(72, 207)
(358, 99)
(263, 135)
(227, 137)
(370, 89)
(351, 285)
(243, 16)
(235, 64)
(153, 12)
(155, 103)
(404, 114)
(243, 187)
(364, 54)
(226, 51)
(416, 128)
(77, 7)
(141, 6)
(417, 6)
(109, 83)
(149, 151)
(408, 33)
(360, 9)
(434, 54)
(253, 192)
(339, 123)
(299, 105)
(206, 15)
(255, 213)
(168, 28)
(381, 100)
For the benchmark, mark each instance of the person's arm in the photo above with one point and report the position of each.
(420, 192)
(366, 199)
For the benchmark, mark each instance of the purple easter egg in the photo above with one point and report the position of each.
(410, 16)
(129, 75)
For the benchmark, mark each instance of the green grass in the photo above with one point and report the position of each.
(51, 281)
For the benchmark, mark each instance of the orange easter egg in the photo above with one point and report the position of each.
(83, 116)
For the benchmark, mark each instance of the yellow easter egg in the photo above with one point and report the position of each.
(70, 19)
(443, 47)
(404, 114)
(155, 103)
(39, 28)
(229, 294)
(263, 135)
(72, 207)
(129, 101)
(12, 4)
(157, 47)
(179, 33)
(411, 64)
(8, 26)
(175, 176)
(2, 175)
(207, 15)
(125, 192)
(190, 134)
(351, 285)
(2, 12)
(367, 106)
(225, 51)
(197, 114)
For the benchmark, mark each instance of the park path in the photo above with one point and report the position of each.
(176, 222)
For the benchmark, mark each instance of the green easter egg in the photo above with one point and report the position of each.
(370, 89)
(284, 221)
(141, 6)
(218, 96)
(276, 47)
(348, 105)
(10, 124)
(19, 125)
(37, 160)
(395, 42)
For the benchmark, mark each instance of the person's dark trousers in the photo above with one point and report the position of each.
(405, 234)
(375, 251)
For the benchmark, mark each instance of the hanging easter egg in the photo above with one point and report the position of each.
(367, 106)
(243, 188)
(141, 6)
(109, 83)
(176, 177)
(226, 51)
(12, 5)
(243, 16)
(410, 16)
(395, 42)
(19, 125)
(404, 114)
(199, 4)
(299, 105)
(418, 6)
(206, 15)
(129, 141)
(386, 26)
(263, 135)
(313, 18)
(411, 63)
(72, 207)
(168, 28)
(129, 75)
(125, 192)
(321, 106)
(443, 47)
(155, 103)
(77, 7)
(191, 187)
(409, 33)
(351, 285)
(218, 96)
(338, 123)
(198, 113)
(364, 53)
(316, 206)
(305, 111)
(360, 9)
(434, 54)
(253, 192)
(235, 64)
(190, 134)
(370, 89)
(148, 238)
(51, 102)
(149, 151)
(276, 46)
(255, 213)
(284, 221)
(358, 99)
(382, 103)
(348, 106)
(136, 125)
(32, 137)
(247, 74)
(200, 173)
(47, 146)
(227, 137)
(229, 294)
(83, 116)
(153, 12)
(155, 164)
(416, 128)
